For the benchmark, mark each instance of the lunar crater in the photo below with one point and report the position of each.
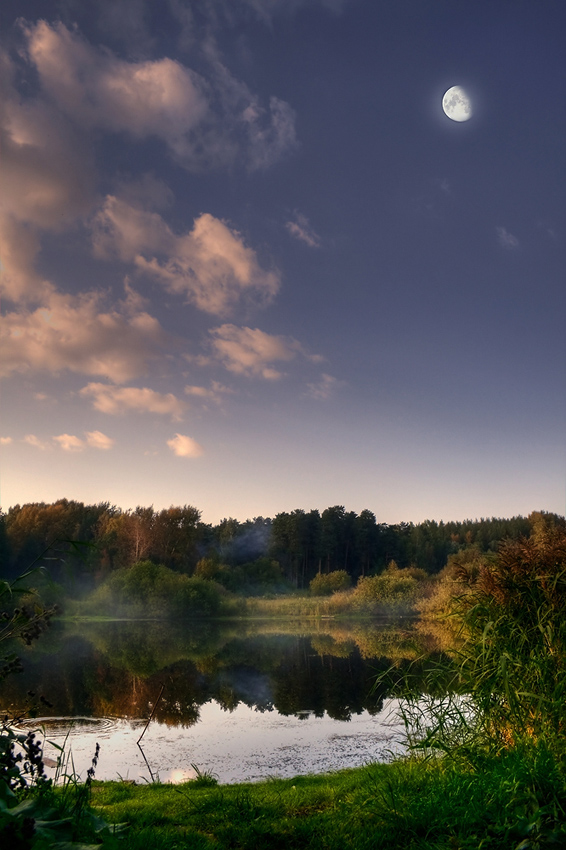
(457, 104)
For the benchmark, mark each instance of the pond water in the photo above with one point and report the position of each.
(242, 701)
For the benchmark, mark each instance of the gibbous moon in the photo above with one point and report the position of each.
(456, 104)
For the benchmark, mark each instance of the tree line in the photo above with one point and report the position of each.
(87, 542)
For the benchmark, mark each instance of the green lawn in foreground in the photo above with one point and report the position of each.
(516, 800)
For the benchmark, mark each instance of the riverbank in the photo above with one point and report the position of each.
(515, 800)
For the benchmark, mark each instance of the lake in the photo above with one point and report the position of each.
(242, 700)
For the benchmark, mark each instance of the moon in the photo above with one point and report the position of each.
(456, 104)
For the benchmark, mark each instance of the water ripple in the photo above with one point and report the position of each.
(60, 727)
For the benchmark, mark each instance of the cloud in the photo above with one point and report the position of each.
(506, 239)
(301, 229)
(267, 9)
(32, 440)
(184, 446)
(210, 265)
(47, 175)
(70, 443)
(5, 441)
(204, 122)
(324, 388)
(213, 393)
(98, 440)
(119, 400)
(71, 333)
(154, 98)
(248, 351)
(46, 181)
(146, 192)
(271, 133)
(19, 246)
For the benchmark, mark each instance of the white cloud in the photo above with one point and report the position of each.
(98, 440)
(5, 441)
(248, 351)
(70, 443)
(301, 229)
(211, 265)
(506, 239)
(184, 446)
(324, 388)
(70, 333)
(119, 400)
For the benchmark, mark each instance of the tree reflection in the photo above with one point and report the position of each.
(118, 669)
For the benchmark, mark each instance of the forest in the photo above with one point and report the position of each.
(86, 543)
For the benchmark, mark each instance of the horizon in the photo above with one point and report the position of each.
(306, 510)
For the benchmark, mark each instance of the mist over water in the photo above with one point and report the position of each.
(241, 704)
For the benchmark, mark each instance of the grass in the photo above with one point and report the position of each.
(515, 801)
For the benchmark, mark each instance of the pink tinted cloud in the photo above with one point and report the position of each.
(120, 400)
(184, 446)
(210, 265)
(250, 351)
(72, 334)
(161, 98)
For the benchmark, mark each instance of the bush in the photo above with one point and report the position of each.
(153, 589)
(197, 597)
(324, 584)
(507, 683)
(391, 587)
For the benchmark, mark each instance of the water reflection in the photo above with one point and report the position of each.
(284, 689)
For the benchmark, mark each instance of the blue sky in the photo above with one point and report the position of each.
(249, 264)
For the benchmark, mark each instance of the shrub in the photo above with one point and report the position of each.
(197, 597)
(507, 685)
(324, 584)
(391, 587)
(153, 589)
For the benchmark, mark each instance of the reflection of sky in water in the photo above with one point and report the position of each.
(237, 746)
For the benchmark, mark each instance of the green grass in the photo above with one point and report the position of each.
(515, 800)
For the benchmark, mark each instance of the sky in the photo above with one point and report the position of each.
(250, 265)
